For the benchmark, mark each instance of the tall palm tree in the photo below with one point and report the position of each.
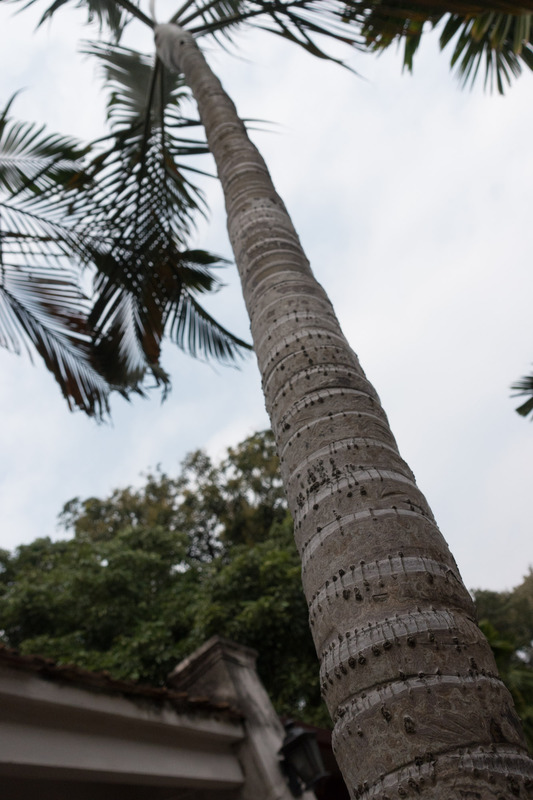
(409, 679)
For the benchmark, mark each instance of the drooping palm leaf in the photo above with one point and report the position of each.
(145, 113)
(499, 42)
(42, 307)
(48, 311)
(143, 204)
(303, 22)
(110, 15)
(32, 159)
(524, 388)
(127, 213)
(495, 35)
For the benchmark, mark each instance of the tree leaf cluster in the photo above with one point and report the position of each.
(506, 619)
(150, 573)
(116, 213)
(524, 388)
(495, 38)
(42, 305)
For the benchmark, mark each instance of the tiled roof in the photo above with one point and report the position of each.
(104, 682)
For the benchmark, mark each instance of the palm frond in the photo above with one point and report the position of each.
(495, 36)
(28, 314)
(32, 159)
(524, 388)
(303, 22)
(143, 166)
(126, 215)
(209, 12)
(108, 14)
(43, 308)
(143, 204)
(500, 42)
(196, 332)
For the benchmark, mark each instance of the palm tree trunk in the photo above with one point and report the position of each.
(409, 679)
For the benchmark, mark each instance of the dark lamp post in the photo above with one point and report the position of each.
(302, 762)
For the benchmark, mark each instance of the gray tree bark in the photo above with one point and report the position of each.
(408, 678)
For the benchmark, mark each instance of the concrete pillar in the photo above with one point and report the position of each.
(225, 671)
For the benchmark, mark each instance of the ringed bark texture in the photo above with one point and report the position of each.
(409, 679)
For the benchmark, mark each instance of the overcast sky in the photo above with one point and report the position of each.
(412, 200)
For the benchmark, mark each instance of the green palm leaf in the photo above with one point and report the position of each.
(125, 212)
(498, 39)
(43, 308)
(303, 22)
(32, 159)
(500, 42)
(524, 388)
(211, 13)
(48, 311)
(142, 202)
(107, 14)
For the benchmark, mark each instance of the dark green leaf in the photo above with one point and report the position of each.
(524, 387)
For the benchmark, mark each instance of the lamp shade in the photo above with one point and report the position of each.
(302, 756)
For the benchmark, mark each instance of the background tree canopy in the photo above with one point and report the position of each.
(151, 573)
(506, 619)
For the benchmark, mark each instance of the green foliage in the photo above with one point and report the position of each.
(506, 619)
(31, 158)
(500, 42)
(151, 573)
(111, 604)
(122, 208)
(524, 388)
(255, 598)
(498, 39)
(42, 306)
(143, 204)
(106, 14)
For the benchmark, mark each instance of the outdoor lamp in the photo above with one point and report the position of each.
(301, 763)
